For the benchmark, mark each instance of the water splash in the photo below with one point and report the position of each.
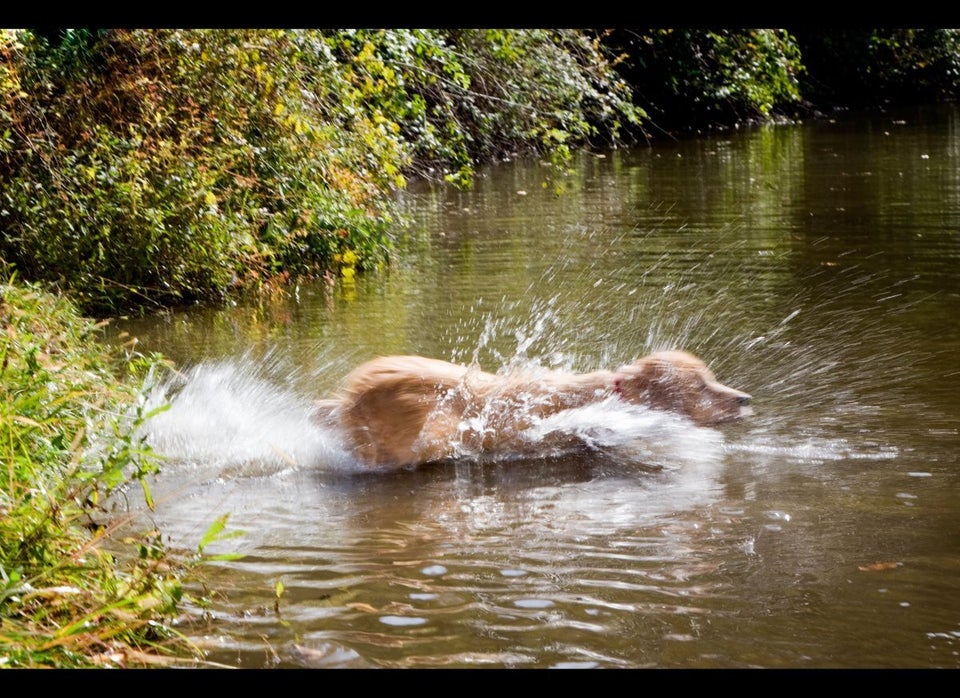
(655, 439)
(235, 417)
(814, 450)
(246, 418)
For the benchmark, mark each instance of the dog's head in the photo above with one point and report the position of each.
(680, 382)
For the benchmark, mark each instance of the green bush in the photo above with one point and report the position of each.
(173, 166)
(694, 78)
(160, 167)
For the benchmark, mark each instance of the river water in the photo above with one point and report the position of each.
(815, 265)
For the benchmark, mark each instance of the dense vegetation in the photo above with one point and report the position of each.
(73, 591)
(147, 168)
(703, 78)
(694, 78)
(867, 68)
(143, 168)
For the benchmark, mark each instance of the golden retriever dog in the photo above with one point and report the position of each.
(400, 411)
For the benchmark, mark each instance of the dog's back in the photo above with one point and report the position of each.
(385, 402)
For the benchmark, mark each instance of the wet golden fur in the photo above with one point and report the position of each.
(406, 410)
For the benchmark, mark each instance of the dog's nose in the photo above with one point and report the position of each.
(744, 399)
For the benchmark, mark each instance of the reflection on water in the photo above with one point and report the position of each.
(815, 266)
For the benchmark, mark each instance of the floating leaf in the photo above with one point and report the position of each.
(879, 566)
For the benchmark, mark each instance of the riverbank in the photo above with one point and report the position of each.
(74, 593)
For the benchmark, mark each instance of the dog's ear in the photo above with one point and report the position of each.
(631, 381)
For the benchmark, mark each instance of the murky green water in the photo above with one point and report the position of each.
(816, 266)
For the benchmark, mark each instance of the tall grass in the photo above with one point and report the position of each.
(72, 591)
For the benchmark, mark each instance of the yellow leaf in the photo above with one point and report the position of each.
(879, 566)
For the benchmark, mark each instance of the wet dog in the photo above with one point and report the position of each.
(398, 411)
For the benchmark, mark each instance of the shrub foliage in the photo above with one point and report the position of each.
(695, 78)
(156, 167)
